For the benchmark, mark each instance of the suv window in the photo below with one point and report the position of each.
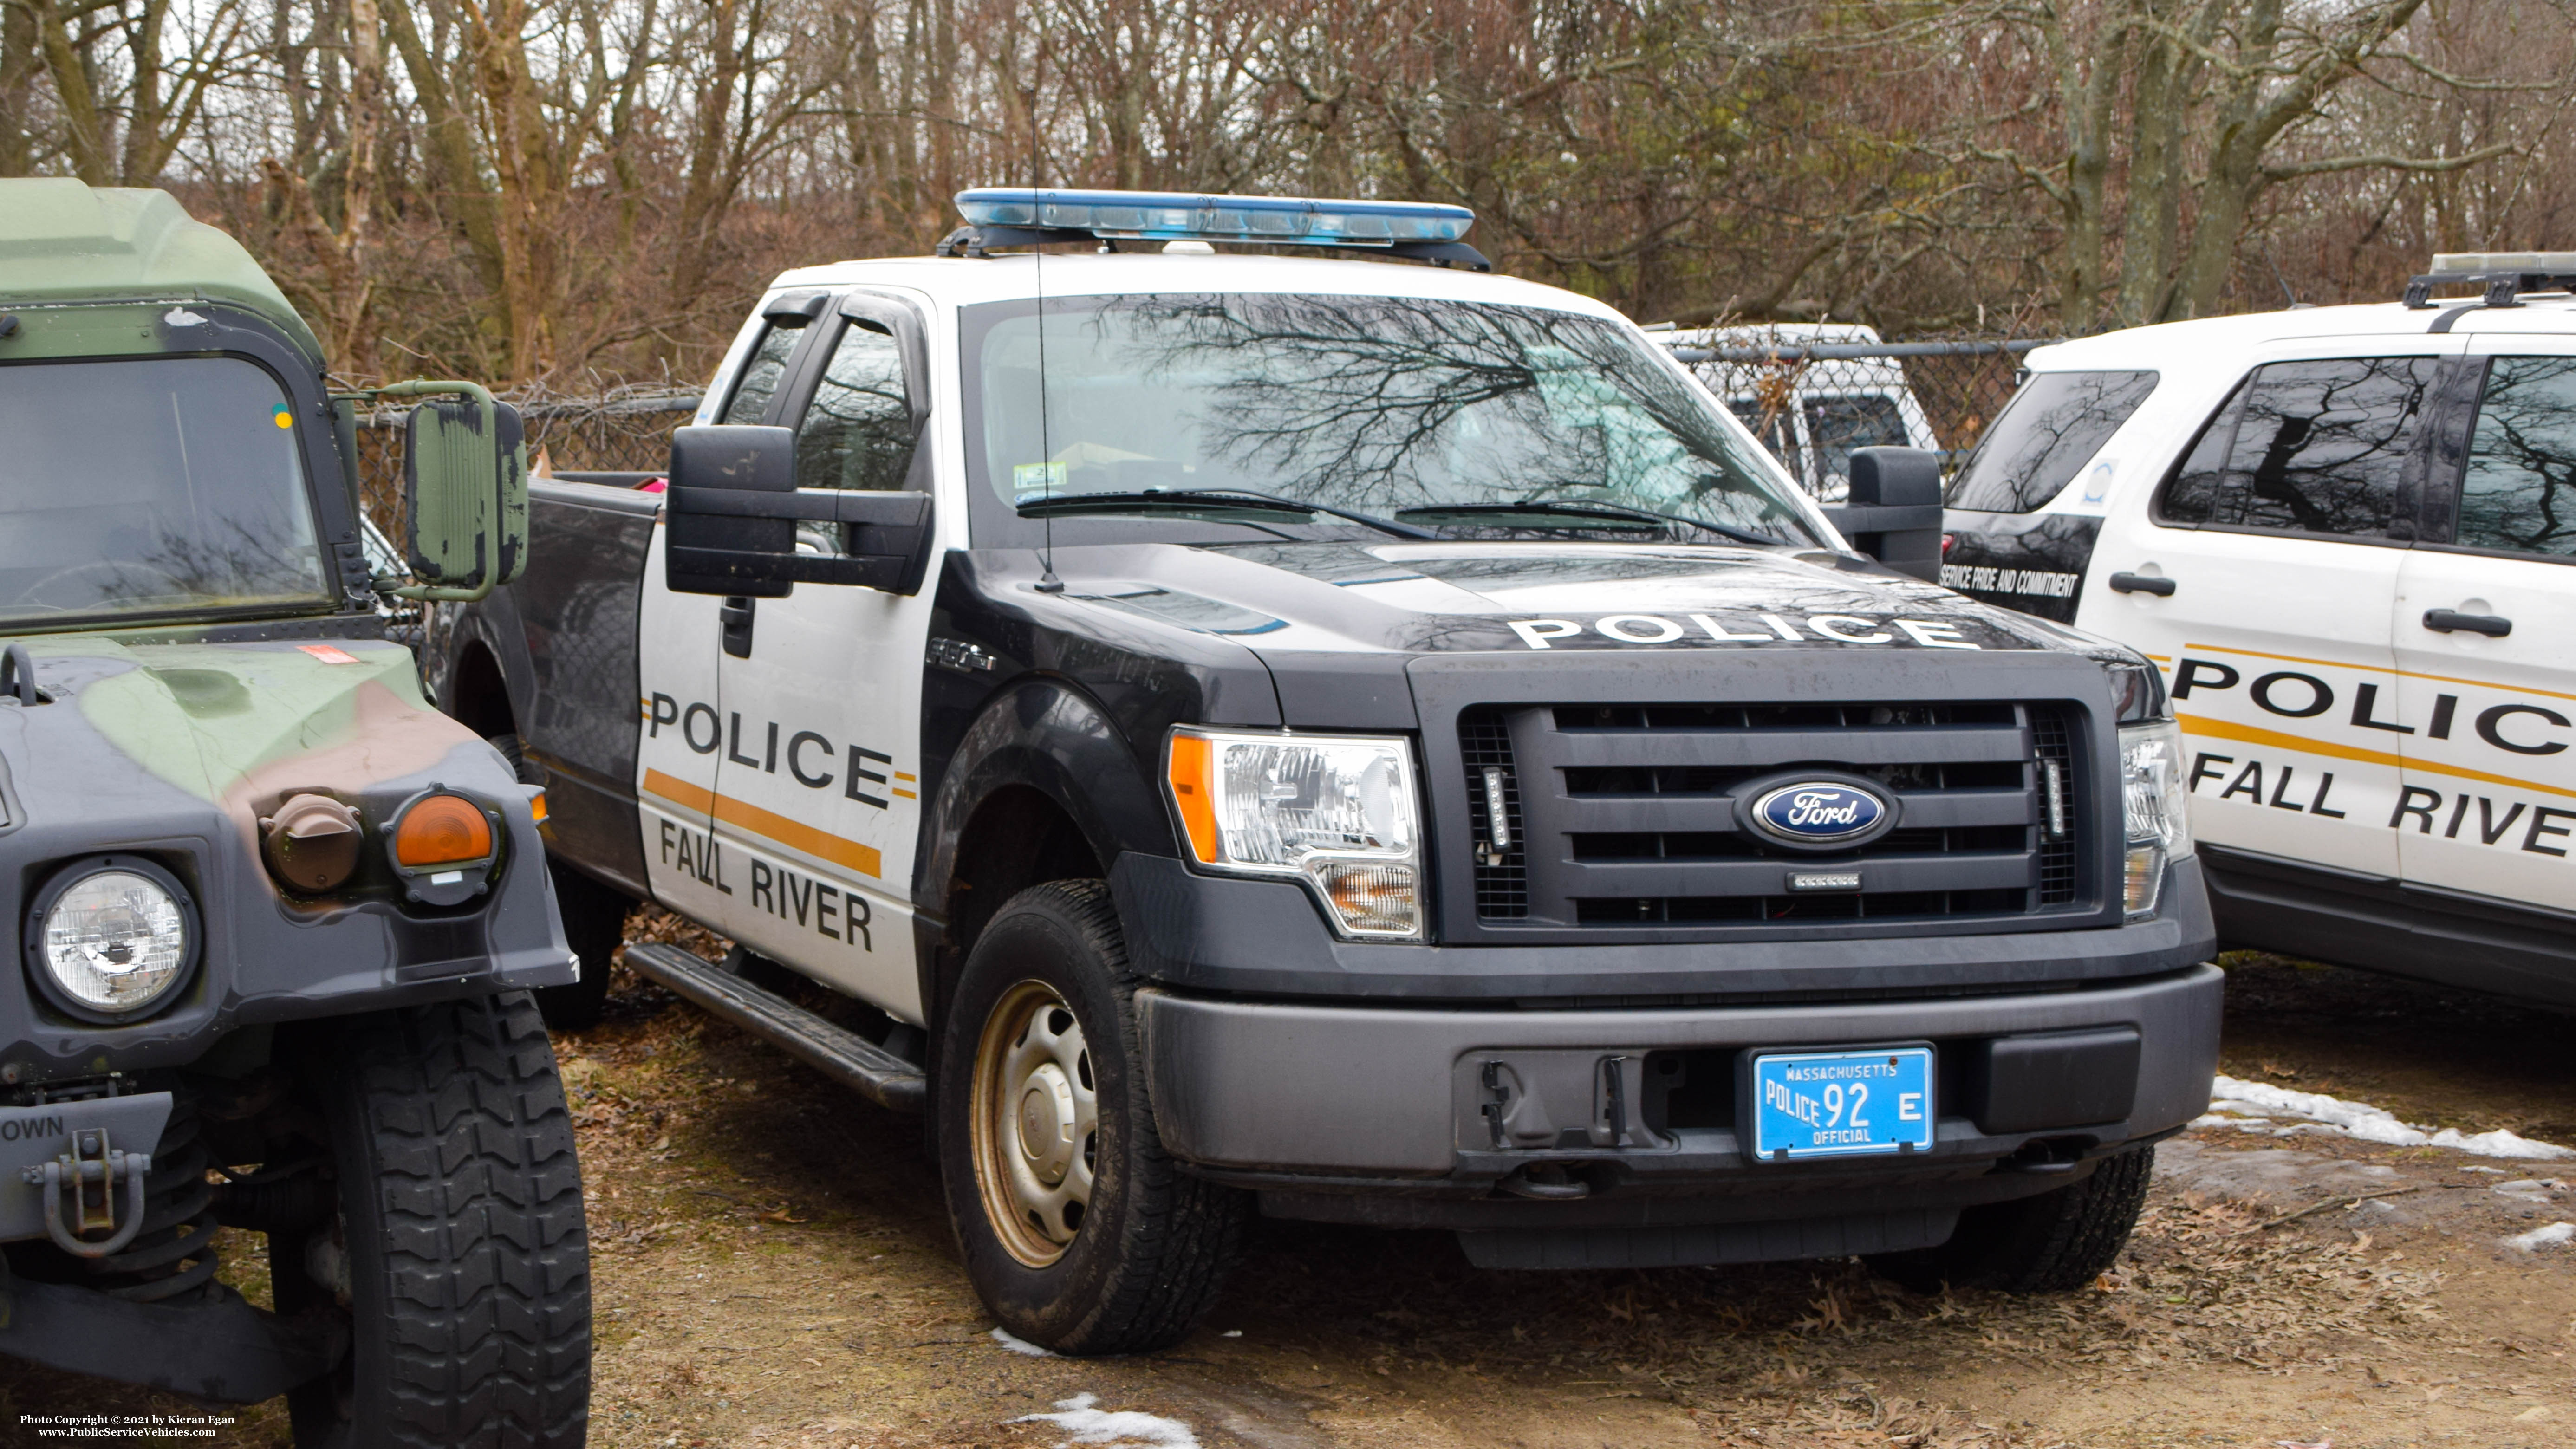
(2308, 447)
(2045, 436)
(1836, 425)
(2519, 492)
(857, 431)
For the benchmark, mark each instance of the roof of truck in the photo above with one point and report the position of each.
(64, 241)
(2217, 341)
(964, 281)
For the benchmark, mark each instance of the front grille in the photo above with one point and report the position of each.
(1626, 815)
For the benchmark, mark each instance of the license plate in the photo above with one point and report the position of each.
(1852, 1103)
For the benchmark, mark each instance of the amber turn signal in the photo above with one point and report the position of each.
(442, 830)
(1192, 773)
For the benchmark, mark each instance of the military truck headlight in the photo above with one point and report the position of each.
(1335, 811)
(111, 938)
(2154, 805)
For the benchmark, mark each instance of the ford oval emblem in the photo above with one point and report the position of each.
(1818, 812)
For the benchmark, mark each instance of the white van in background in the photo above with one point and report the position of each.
(1809, 410)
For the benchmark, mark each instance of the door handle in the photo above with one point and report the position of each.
(736, 615)
(2445, 621)
(2128, 583)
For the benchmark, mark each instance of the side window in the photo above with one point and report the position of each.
(2319, 446)
(2519, 491)
(2191, 494)
(1771, 425)
(761, 373)
(857, 432)
(2045, 436)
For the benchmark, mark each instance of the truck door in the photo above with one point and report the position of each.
(2260, 575)
(678, 643)
(819, 774)
(2486, 607)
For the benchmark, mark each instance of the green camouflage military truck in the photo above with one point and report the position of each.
(278, 920)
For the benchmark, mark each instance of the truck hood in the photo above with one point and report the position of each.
(1533, 598)
(131, 730)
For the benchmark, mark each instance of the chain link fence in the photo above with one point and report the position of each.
(625, 431)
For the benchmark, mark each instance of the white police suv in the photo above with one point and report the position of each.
(2348, 537)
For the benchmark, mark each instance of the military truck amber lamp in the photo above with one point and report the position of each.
(443, 847)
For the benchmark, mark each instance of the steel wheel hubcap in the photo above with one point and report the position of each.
(1037, 1123)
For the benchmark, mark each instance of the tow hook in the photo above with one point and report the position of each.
(2046, 1156)
(1547, 1182)
(92, 1169)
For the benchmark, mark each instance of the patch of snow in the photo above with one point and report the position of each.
(2497, 1171)
(1127, 1428)
(1231, 1333)
(1019, 1345)
(2539, 1238)
(2251, 1106)
(182, 317)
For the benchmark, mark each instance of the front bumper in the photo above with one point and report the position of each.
(1378, 1114)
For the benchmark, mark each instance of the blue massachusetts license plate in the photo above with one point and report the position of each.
(1842, 1103)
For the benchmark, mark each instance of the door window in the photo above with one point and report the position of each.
(761, 373)
(857, 431)
(1836, 425)
(2311, 447)
(1769, 424)
(2518, 494)
(2045, 436)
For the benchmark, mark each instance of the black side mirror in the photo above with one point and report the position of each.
(1894, 514)
(733, 508)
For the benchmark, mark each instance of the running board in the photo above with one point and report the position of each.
(837, 1052)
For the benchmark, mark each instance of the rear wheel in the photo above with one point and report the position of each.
(457, 1252)
(2055, 1242)
(1078, 1230)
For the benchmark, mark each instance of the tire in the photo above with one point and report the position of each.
(594, 922)
(458, 1255)
(2055, 1242)
(1125, 1252)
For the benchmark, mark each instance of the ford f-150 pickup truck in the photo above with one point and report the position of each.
(1352, 740)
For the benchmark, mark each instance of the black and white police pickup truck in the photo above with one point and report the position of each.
(2348, 535)
(1358, 741)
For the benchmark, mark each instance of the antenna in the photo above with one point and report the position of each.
(1048, 583)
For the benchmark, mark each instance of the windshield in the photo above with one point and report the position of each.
(1441, 415)
(148, 485)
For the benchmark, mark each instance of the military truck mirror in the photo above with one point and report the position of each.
(1894, 511)
(733, 510)
(465, 491)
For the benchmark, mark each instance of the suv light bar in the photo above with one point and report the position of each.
(999, 216)
(2502, 276)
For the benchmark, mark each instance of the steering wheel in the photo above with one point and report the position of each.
(34, 593)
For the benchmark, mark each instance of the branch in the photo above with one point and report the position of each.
(2420, 164)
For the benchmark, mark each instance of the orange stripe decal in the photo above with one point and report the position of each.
(2193, 724)
(794, 834)
(2377, 669)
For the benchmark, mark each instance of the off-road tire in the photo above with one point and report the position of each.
(1155, 1244)
(460, 1217)
(2055, 1242)
(594, 922)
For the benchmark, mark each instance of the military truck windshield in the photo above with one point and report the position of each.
(150, 485)
(1418, 409)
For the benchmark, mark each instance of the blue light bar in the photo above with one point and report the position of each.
(1182, 216)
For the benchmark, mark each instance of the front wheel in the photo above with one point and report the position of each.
(1078, 1230)
(2054, 1242)
(457, 1255)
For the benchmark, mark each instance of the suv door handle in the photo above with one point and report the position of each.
(2128, 583)
(2445, 621)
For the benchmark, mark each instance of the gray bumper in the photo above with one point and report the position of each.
(1344, 1099)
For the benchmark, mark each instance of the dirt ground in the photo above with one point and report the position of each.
(773, 1266)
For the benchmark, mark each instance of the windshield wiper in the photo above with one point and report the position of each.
(1196, 498)
(1618, 511)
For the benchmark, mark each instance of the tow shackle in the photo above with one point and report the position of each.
(91, 1165)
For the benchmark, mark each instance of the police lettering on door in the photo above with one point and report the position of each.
(809, 757)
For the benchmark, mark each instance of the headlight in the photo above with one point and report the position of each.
(2154, 805)
(112, 937)
(1337, 812)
